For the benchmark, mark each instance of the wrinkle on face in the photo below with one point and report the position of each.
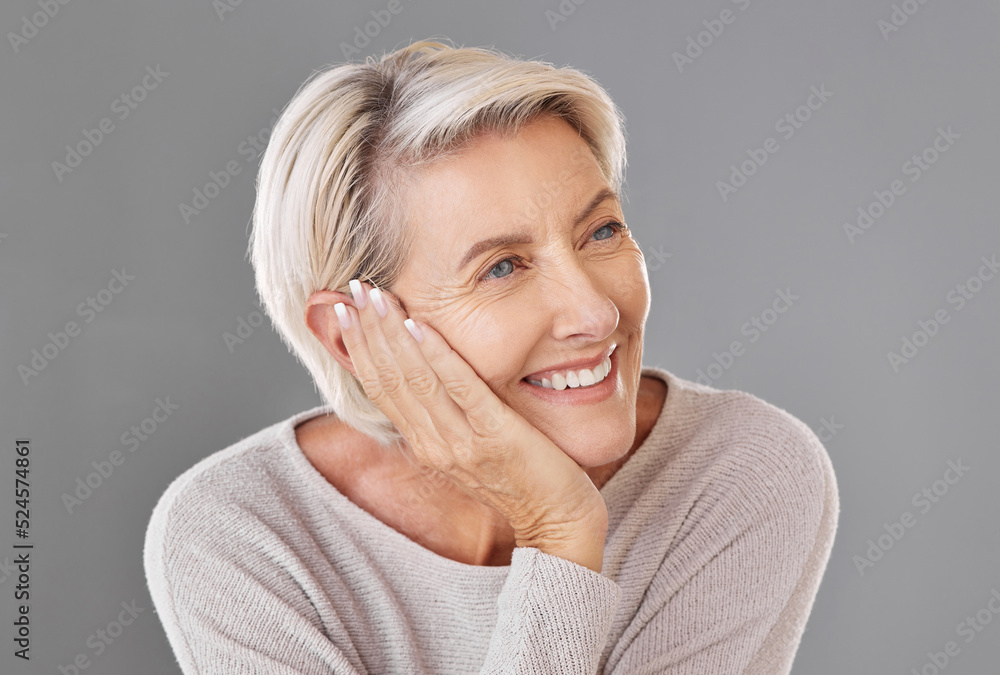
(571, 295)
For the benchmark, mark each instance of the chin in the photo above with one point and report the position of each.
(600, 443)
(590, 438)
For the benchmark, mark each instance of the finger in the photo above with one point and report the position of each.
(425, 386)
(387, 381)
(436, 424)
(484, 412)
(364, 365)
(454, 416)
(458, 425)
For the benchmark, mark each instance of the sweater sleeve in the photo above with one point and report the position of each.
(734, 592)
(227, 608)
(554, 617)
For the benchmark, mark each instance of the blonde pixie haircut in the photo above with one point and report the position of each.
(329, 188)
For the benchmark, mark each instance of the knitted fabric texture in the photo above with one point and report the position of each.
(720, 529)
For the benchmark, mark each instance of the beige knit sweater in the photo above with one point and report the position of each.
(721, 526)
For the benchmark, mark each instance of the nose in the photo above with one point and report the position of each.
(576, 295)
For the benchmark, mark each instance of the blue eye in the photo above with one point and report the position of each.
(504, 262)
(508, 262)
(610, 226)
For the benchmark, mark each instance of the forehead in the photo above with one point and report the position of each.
(500, 184)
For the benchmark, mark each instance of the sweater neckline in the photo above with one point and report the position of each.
(661, 437)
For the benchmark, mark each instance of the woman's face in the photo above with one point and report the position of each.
(575, 286)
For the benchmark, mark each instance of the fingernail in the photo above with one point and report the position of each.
(378, 302)
(414, 329)
(342, 315)
(359, 296)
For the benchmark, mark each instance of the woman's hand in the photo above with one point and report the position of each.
(455, 424)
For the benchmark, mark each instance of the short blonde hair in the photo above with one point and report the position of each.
(328, 206)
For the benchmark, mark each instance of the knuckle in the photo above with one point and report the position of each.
(422, 382)
(382, 360)
(372, 387)
(493, 424)
(437, 456)
(390, 379)
(392, 382)
(460, 390)
(464, 456)
(447, 465)
(395, 347)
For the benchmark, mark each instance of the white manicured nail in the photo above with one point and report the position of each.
(342, 315)
(414, 329)
(359, 297)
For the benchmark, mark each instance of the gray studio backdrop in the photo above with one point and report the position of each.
(814, 185)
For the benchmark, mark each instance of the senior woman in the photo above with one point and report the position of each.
(495, 482)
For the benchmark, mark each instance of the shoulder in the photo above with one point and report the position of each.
(749, 490)
(228, 500)
(760, 459)
(232, 557)
(763, 432)
(745, 507)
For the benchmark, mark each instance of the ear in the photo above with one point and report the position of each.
(322, 320)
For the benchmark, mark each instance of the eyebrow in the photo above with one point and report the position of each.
(511, 239)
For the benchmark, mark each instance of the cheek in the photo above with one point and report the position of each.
(484, 328)
(629, 287)
(493, 341)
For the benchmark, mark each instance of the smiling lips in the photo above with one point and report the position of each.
(574, 378)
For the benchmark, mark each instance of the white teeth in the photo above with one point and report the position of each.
(576, 379)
